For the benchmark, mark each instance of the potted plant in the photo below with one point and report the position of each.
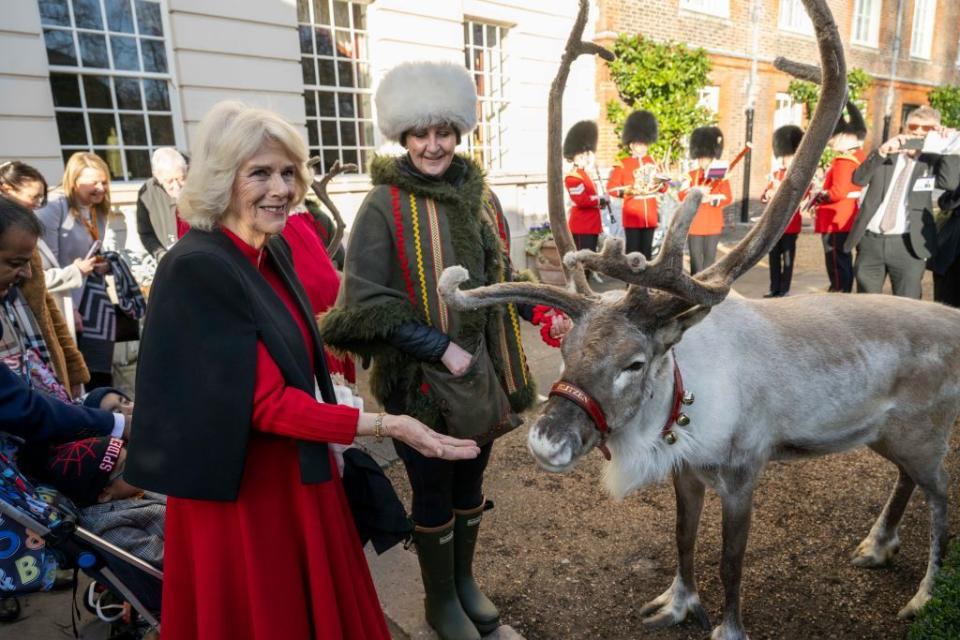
(542, 247)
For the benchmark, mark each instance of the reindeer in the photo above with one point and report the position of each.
(675, 376)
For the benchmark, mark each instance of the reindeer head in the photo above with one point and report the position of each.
(617, 359)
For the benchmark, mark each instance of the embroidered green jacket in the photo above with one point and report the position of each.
(406, 232)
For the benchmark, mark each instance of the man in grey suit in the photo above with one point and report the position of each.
(895, 231)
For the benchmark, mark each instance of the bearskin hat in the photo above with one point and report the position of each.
(706, 142)
(786, 139)
(416, 95)
(581, 137)
(853, 124)
(640, 126)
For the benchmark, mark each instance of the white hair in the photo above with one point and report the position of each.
(418, 95)
(166, 158)
(229, 135)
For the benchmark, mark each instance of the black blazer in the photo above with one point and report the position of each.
(948, 236)
(875, 173)
(195, 376)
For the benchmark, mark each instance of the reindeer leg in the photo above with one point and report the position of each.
(736, 497)
(673, 605)
(883, 541)
(934, 485)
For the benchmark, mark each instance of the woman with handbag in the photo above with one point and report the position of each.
(73, 223)
(260, 542)
(462, 373)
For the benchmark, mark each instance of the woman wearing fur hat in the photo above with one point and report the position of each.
(583, 218)
(706, 145)
(635, 180)
(430, 209)
(839, 200)
(786, 139)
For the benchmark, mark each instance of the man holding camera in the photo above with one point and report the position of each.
(895, 231)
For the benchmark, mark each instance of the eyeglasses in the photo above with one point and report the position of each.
(926, 128)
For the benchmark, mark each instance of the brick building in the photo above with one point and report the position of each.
(929, 57)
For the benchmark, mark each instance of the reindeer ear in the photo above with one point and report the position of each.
(673, 329)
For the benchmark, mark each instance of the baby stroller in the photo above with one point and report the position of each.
(39, 534)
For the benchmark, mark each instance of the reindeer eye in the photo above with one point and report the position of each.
(636, 365)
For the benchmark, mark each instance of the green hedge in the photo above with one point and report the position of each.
(940, 618)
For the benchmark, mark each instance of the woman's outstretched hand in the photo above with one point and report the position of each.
(415, 434)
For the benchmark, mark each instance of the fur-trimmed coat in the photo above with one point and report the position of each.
(406, 232)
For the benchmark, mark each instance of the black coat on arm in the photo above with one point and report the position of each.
(195, 378)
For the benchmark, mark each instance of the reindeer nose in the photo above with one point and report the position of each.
(553, 454)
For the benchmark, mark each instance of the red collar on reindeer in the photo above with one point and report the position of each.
(592, 408)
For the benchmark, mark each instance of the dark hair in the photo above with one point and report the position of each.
(17, 173)
(14, 214)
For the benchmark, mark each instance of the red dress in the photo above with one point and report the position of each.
(283, 560)
(584, 216)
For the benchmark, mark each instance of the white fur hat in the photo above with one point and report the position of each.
(421, 94)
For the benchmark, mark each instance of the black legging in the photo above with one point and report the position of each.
(839, 263)
(585, 241)
(640, 240)
(782, 257)
(440, 486)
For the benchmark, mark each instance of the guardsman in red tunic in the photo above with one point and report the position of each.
(583, 218)
(706, 146)
(786, 139)
(636, 180)
(840, 198)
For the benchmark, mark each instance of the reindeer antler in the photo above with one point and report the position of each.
(571, 303)
(319, 186)
(558, 222)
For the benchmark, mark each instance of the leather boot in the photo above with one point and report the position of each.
(478, 606)
(444, 612)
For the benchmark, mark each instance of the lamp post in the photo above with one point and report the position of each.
(755, 15)
(895, 58)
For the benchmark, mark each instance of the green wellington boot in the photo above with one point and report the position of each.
(444, 612)
(478, 606)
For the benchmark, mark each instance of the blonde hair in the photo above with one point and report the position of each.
(229, 135)
(75, 165)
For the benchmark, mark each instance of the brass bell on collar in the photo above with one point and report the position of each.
(670, 437)
(683, 420)
(688, 398)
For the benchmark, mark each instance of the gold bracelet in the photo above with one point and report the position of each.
(378, 427)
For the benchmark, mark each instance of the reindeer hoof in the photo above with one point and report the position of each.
(870, 554)
(672, 607)
(916, 603)
(729, 632)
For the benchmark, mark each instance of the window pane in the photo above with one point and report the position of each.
(346, 105)
(128, 93)
(349, 156)
(341, 13)
(363, 75)
(363, 102)
(157, 97)
(309, 71)
(324, 42)
(327, 104)
(306, 39)
(477, 34)
(138, 164)
(161, 131)
(303, 11)
(359, 16)
(329, 157)
(66, 91)
(345, 69)
(364, 160)
(360, 46)
(312, 138)
(60, 47)
(97, 90)
(344, 43)
(119, 15)
(326, 73)
(71, 128)
(366, 133)
(93, 50)
(54, 12)
(328, 133)
(103, 129)
(112, 158)
(348, 133)
(310, 103)
(148, 18)
(321, 12)
(86, 13)
(154, 56)
(134, 131)
(125, 53)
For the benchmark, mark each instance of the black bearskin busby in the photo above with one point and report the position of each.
(640, 126)
(786, 139)
(581, 137)
(852, 122)
(706, 142)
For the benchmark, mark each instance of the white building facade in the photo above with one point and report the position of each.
(123, 77)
